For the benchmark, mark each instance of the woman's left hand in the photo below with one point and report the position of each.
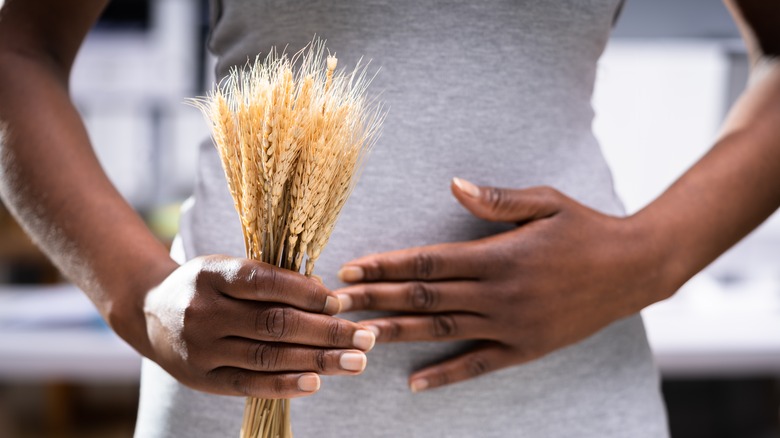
(564, 273)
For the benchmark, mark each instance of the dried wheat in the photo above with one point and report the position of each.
(292, 138)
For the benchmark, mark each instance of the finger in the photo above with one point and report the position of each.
(482, 360)
(289, 325)
(507, 205)
(252, 280)
(412, 296)
(276, 357)
(237, 381)
(436, 262)
(439, 327)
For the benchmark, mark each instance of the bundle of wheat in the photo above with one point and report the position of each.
(292, 137)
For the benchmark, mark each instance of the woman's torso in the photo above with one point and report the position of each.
(497, 92)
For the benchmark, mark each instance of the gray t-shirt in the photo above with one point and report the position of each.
(494, 91)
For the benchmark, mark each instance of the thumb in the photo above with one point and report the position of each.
(507, 205)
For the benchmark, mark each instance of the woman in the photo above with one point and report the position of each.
(513, 314)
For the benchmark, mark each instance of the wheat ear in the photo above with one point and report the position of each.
(292, 137)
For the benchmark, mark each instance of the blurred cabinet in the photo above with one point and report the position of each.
(130, 83)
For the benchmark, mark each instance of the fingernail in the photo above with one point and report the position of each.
(364, 340)
(419, 385)
(466, 187)
(345, 302)
(349, 274)
(353, 361)
(332, 306)
(309, 382)
(373, 329)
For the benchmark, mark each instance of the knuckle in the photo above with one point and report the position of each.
(495, 198)
(549, 195)
(477, 365)
(335, 333)
(548, 192)
(241, 383)
(198, 360)
(391, 331)
(191, 315)
(422, 296)
(213, 375)
(441, 379)
(314, 296)
(366, 298)
(194, 314)
(252, 277)
(206, 269)
(278, 387)
(275, 322)
(444, 326)
(264, 279)
(320, 360)
(264, 356)
(247, 384)
(424, 265)
(374, 270)
(202, 278)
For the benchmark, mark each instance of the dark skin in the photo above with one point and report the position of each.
(218, 324)
(215, 323)
(568, 271)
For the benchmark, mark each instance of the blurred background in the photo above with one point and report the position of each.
(666, 81)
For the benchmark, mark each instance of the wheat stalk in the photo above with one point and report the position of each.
(292, 137)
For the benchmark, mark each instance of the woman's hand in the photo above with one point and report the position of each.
(564, 273)
(239, 327)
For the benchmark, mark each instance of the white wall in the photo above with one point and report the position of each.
(130, 86)
(659, 105)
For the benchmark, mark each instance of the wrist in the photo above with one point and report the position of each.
(125, 311)
(653, 261)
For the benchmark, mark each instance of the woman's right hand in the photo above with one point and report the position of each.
(234, 326)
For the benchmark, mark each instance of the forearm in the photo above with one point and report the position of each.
(53, 183)
(728, 193)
